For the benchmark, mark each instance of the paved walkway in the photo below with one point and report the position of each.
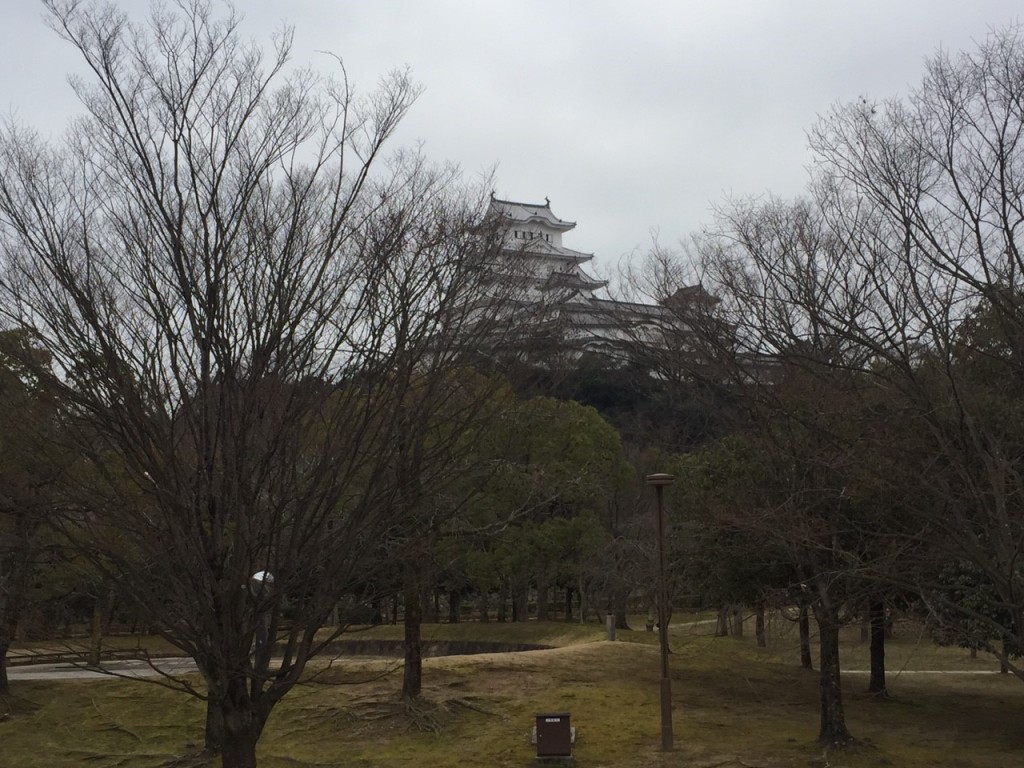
(178, 666)
(116, 669)
(898, 672)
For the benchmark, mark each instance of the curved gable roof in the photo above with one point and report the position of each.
(536, 213)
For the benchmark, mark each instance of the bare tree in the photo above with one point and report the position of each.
(925, 196)
(894, 291)
(234, 302)
(746, 332)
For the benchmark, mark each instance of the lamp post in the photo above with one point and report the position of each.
(259, 582)
(659, 481)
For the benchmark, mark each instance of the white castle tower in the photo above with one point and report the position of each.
(558, 303)
(534, 234)
(562, 296)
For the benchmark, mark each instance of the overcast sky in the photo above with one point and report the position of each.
(629, 117)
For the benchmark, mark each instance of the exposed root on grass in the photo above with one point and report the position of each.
(470, 704)
(371, 709)
(323, 715)
(12, 706)
(285, 760)
(428, 714)
(433, 716)
(850, 745)
(116, 761)
(112, 725)
(419, 713)
(197, 759)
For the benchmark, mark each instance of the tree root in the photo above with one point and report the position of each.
(199, 759)
(421, 713)
(111, 725)
(469, 704)
(421, 717)
(324, 715)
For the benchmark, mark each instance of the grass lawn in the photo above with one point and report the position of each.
(735, 705)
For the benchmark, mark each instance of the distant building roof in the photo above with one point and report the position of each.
(690, 295)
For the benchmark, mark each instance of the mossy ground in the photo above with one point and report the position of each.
(735, 705)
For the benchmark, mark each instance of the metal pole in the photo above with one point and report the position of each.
(666, 681)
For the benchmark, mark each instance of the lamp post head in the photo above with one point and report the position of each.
(261, 580)
(660, 479)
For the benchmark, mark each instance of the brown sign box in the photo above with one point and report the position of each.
(554, 735)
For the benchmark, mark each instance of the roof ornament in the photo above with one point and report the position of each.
(547, 202)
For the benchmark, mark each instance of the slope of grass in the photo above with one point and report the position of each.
(735, 705)
(536, 632)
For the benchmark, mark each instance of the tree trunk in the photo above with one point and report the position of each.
(108, 613)
(502, 602)
(8, 628)
(99, 617)
(520, 604)
(394, 608)
(806, 660)
(833, 731)
(239, 752)
(5, 684)
(1004, 658)
(737, 621)
(762, 640)
(241, 732)
(722, 627)
(485, 615)
(428, 606)
(213, 734)
(876, 684)
(542, 600)
(568, 603)
(621, 599)
(412, 672)
(213, 731)
(454, 606)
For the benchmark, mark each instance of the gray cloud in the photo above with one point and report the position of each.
(627, 119)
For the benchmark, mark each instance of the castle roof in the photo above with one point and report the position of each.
(530, 212)
(539, 247)
(575, 278)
